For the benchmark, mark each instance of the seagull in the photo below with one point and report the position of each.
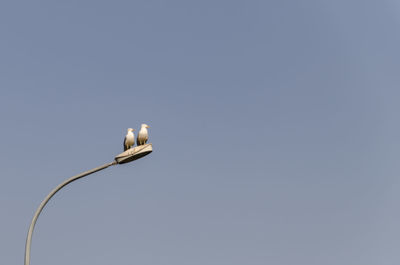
(143, 136)
(129, 139)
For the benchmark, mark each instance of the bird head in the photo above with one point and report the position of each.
(145, 126)
(130, 130)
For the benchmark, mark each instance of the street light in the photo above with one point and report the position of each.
(125, 157)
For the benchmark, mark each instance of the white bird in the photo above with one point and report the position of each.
(143, 135)
(129, 140)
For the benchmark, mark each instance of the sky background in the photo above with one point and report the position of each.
(274, 125)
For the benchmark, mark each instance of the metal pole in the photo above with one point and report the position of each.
(46, 200)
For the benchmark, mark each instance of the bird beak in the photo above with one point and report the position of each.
(147, 126)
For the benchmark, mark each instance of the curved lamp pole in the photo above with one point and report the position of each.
(125, 157)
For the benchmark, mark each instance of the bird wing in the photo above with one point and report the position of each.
(145, 137)
(125, 146)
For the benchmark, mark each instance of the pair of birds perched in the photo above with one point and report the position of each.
(142, 137)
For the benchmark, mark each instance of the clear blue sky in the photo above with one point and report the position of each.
(274, 124)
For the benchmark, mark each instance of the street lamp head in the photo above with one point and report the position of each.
(134, 153)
